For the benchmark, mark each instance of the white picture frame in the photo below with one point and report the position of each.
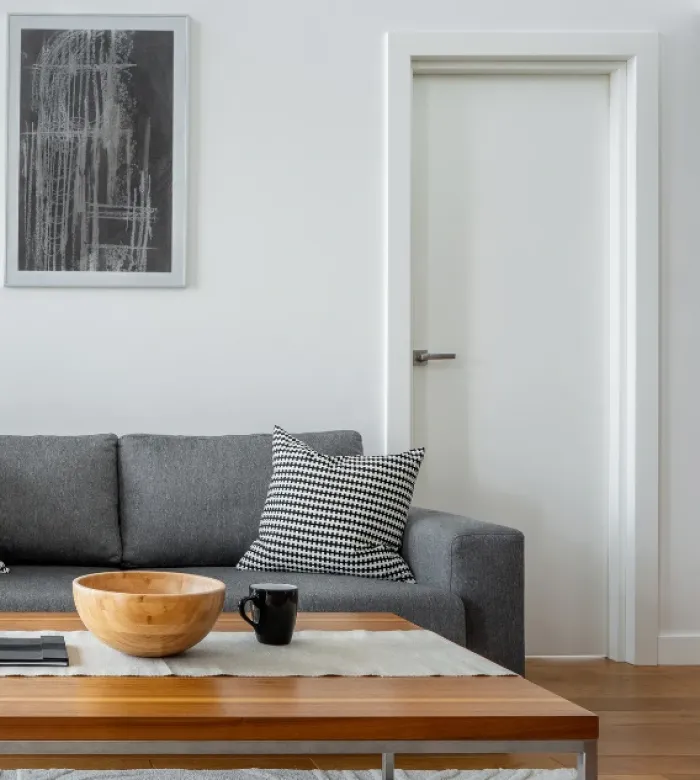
(97, 129)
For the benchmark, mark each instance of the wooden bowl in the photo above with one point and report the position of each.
(148, 614)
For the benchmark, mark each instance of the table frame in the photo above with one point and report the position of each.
(585, 750)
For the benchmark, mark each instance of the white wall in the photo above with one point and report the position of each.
(283, 317)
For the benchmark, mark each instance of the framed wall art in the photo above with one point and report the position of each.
(97, 151)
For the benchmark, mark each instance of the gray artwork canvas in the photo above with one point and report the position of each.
(96, 154)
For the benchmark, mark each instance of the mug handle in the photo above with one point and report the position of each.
(241, 610)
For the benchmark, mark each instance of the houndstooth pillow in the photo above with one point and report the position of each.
(4, 569)
(335, 514)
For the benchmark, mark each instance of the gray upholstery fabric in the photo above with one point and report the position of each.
(48, 588)
(58, 500)
(41, 588)
(196, 501)
(482, 563)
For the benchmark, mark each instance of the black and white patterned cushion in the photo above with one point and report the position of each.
(4, 569)
(334, 514)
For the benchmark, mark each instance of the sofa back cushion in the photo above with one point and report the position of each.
(197, 500)
(58, 500)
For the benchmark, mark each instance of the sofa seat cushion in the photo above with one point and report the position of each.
(431, 608)
(58, 500)
(49, 589)
(196, 500)
(41, 588)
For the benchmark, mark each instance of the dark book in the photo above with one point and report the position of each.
(35, 651)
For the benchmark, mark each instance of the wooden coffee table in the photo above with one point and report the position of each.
(118, 716)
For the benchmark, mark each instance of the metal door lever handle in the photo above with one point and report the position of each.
(422, 356)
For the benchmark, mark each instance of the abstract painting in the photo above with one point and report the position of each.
(97, 131)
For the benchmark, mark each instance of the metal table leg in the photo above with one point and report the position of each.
(588, 762)
(388, 766)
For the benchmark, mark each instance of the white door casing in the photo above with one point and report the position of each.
(630, 61)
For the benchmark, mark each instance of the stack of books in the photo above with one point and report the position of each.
(34, 651)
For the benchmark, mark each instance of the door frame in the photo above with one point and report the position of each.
(630, 59)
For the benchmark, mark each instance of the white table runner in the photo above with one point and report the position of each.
(311, 654)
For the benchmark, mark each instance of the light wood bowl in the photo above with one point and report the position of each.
(148, 614)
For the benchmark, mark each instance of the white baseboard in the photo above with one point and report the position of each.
(679, 649)
(675, 649)
(564, 657)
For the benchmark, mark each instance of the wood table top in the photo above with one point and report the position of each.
(280, 708)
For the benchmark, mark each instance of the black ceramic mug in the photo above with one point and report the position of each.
(274, 612)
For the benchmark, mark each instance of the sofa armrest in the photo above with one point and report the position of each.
(482, 563)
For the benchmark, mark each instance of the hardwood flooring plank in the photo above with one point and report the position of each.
(644, 765)
(602, 705)
(681, 777)
(642, 719)
(633, 777)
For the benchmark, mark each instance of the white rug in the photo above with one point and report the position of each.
(311, 654)
(286, 774)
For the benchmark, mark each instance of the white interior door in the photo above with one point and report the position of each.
(510, 271)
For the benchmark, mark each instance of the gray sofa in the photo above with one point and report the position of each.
(73, 505)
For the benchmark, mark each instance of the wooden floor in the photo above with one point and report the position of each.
(649, 716)
(650, 728)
